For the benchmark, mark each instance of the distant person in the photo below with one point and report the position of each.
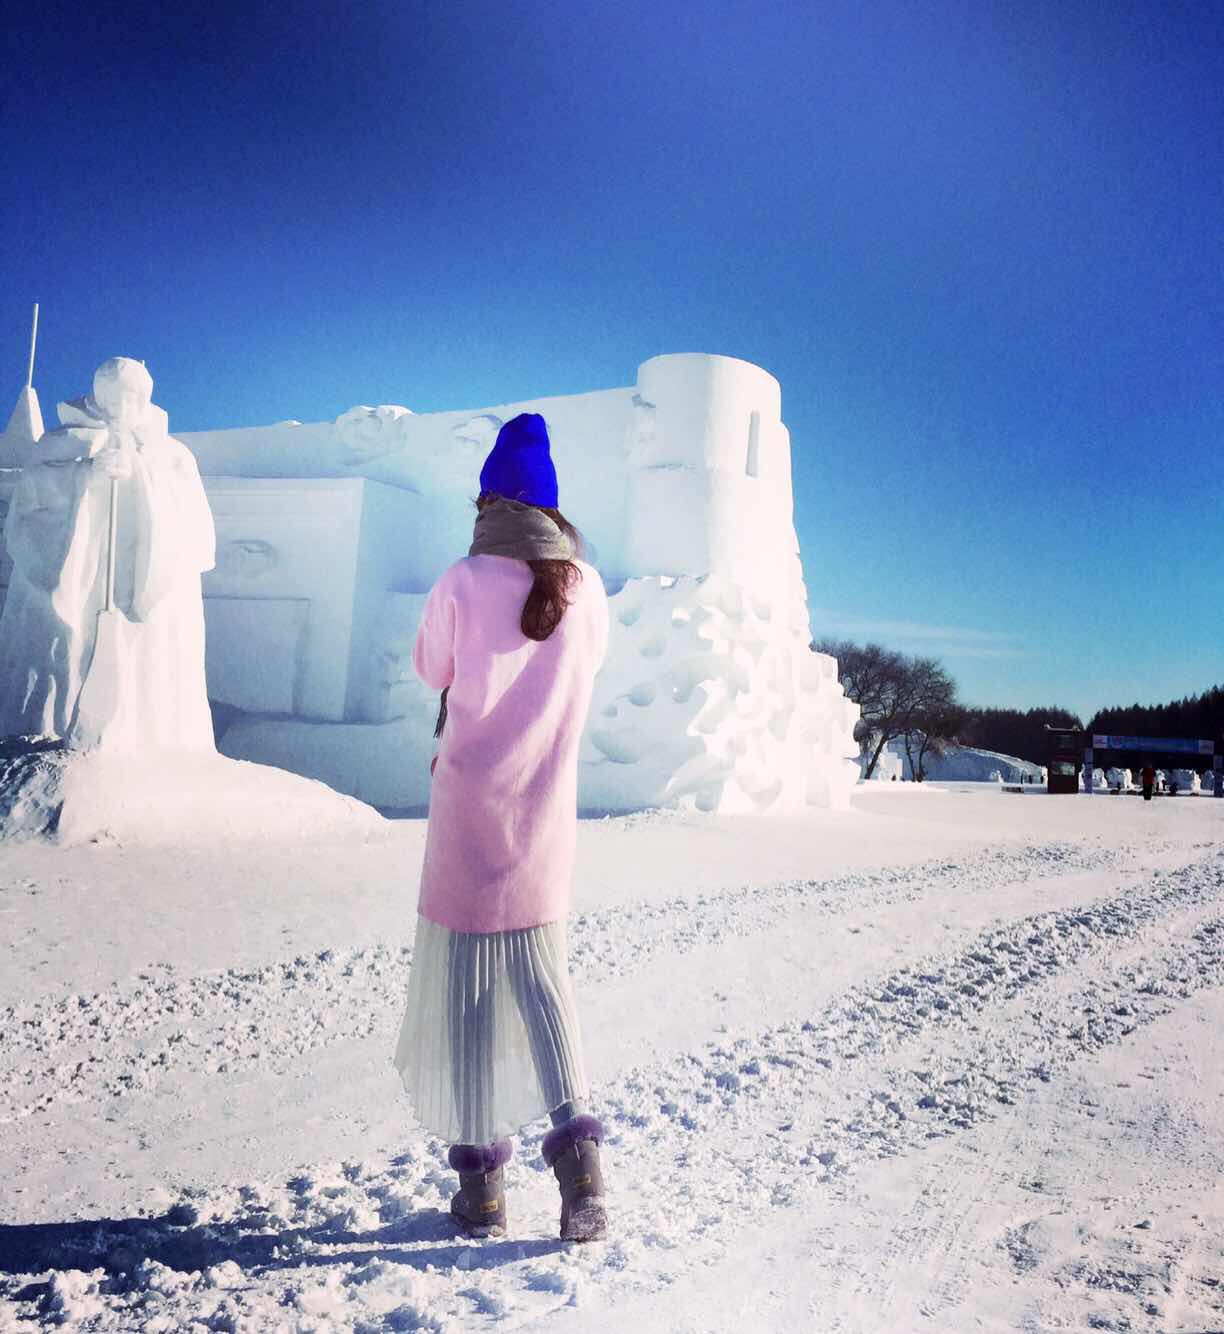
(513, 633)
(1149, 781)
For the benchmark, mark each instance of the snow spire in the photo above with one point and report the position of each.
(25, 425)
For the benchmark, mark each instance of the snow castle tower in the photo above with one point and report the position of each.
(711, 696)
(709, 481)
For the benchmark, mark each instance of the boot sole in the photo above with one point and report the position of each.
(480, 1233)
(477, 1231)
(588, 1221)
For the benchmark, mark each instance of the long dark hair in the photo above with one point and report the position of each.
(549, 595)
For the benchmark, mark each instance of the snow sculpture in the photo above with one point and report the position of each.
(370, 433)
(890, 765)
(1186, 780)
(1118, 778)
(102, 688)
(708, 484)
(108, 501)
(681, 485)
(711, 696)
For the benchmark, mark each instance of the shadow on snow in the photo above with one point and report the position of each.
(120, 1245)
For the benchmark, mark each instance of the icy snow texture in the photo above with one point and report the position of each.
(681, 484)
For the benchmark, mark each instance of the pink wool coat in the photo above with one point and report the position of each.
(503, 808)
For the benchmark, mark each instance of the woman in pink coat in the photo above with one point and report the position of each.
(513, 635)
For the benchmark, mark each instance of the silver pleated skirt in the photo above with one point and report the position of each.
(490, 1037)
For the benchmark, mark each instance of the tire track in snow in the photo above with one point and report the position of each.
(600, 942)
(747, 1091)
(801, 1105)
(128, 1038)
(950, 992)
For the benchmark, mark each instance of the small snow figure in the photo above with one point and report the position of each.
(514, 633)
(109, 517)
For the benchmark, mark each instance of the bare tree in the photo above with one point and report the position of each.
(871, 676)
(938, 728)
(895, 693)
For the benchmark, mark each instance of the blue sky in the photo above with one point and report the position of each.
(978, 243)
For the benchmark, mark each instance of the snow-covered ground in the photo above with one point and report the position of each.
(952, 1061)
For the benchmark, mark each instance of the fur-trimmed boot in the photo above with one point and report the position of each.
(479, 1205)
(572, 1151)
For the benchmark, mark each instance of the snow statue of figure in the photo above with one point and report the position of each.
(105, 729)
(109, 531)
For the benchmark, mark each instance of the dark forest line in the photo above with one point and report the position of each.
(1022, 732)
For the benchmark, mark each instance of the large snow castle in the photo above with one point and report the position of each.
(331, 533)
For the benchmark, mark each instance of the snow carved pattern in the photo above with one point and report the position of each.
(710, 699)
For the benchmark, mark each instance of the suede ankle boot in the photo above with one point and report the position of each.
(479, 1205)
(572, 1151)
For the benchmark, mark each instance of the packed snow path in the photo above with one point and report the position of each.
(953, 1062)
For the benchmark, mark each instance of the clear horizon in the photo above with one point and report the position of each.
(977, 245)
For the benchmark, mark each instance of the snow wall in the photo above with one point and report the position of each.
(331, 533)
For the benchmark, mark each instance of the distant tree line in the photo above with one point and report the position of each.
(1015, 731)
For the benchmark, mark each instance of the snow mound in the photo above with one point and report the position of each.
(166, 798)
(971, 764)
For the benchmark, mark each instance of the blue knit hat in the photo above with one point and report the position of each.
(519, 465)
